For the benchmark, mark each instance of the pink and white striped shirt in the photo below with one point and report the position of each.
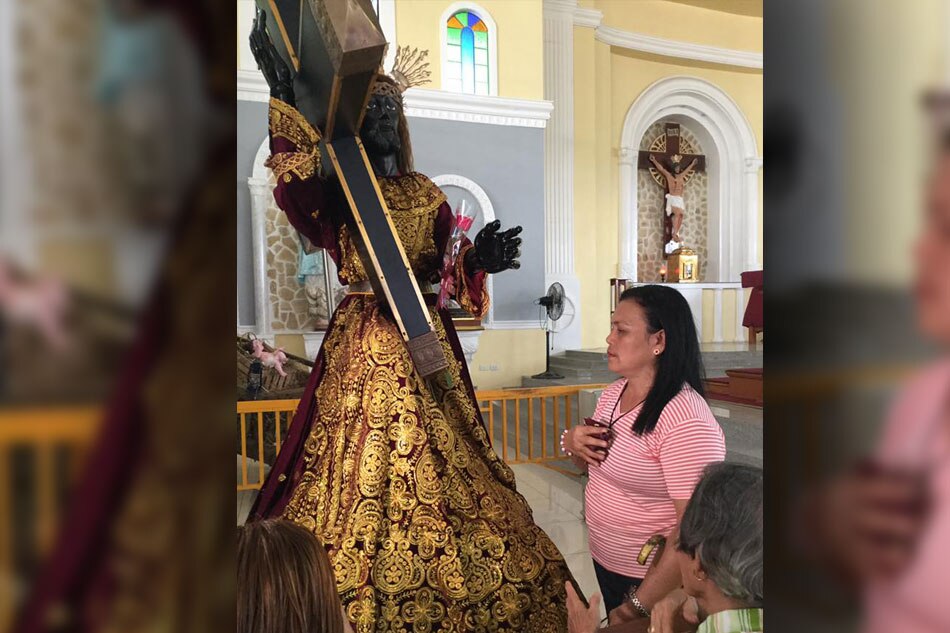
(630, 494)
(917, 435)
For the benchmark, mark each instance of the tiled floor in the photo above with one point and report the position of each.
(557, 502)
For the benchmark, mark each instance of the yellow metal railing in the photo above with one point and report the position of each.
(48, 445)
(264, 416)
(539, 416)
(524, 425)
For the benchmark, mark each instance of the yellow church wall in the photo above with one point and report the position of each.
(683, 22)
(520, 41)
(587, 188)
(505, 356)
(607, 82)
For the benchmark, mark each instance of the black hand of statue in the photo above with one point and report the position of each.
(278, 76)
(494, 251)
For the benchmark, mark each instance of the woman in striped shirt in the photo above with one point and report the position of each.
(660, 436)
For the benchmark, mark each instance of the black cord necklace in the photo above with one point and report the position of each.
(613, 419)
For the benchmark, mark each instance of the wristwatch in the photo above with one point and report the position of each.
(635, 601)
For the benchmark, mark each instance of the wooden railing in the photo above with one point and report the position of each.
(524, 425)
(41, 451)
(262, 423)
(539, 415)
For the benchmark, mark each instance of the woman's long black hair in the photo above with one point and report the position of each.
(680, 363)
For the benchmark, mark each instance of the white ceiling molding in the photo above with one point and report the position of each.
(435, 104)
(452, 106)
(672, 48)
(588, 18)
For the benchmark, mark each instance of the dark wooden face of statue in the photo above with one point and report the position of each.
(380, 129)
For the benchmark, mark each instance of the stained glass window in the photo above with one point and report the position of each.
(466, 54)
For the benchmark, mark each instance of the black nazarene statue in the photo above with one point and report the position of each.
(397, 478)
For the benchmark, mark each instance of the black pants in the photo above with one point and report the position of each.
(613, 587)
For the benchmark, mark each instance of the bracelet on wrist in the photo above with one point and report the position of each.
(635, 601)
(563, 449)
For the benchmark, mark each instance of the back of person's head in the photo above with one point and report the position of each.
(722, 526)
(285, 583)
(681, 361)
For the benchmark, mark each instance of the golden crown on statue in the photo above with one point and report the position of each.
(410, 68)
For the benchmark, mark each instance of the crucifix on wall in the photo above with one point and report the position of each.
(671, 166)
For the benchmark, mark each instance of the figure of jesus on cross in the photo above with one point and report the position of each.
(675, 185)
(675, 178)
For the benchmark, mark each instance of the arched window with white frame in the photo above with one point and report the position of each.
(469, 50)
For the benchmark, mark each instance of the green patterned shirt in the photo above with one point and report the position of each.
(734, 621)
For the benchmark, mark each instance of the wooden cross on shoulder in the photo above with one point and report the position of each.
(336, 48)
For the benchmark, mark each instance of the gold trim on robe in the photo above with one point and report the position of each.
(286, 122)
(463, 292)
(413, 201)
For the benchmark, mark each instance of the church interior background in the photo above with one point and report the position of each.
(536, 115)
(537, 120)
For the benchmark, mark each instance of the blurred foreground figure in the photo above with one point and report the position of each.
(886, 524)
(285, 583)
(144, 541)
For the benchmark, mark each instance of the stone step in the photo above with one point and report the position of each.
(573, 362)
(586, 354)
(572, 372)
(733, 359)
(738, 358)
(598, 378)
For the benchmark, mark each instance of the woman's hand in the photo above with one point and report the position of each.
(582, 441)
(494, 251)
(581, 619)
(624, 613)
(868, 521)
(675, 613)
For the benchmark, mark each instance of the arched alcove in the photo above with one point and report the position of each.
(732, 160)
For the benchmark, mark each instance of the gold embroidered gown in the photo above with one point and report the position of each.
(421, 519)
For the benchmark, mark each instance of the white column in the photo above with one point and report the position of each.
(261, 195)
(559, 162)
(751, 183)
(628, 214)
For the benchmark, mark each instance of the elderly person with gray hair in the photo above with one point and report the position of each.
(719, 552)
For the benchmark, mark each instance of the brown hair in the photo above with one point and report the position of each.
(284, 580)
(387, 85)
